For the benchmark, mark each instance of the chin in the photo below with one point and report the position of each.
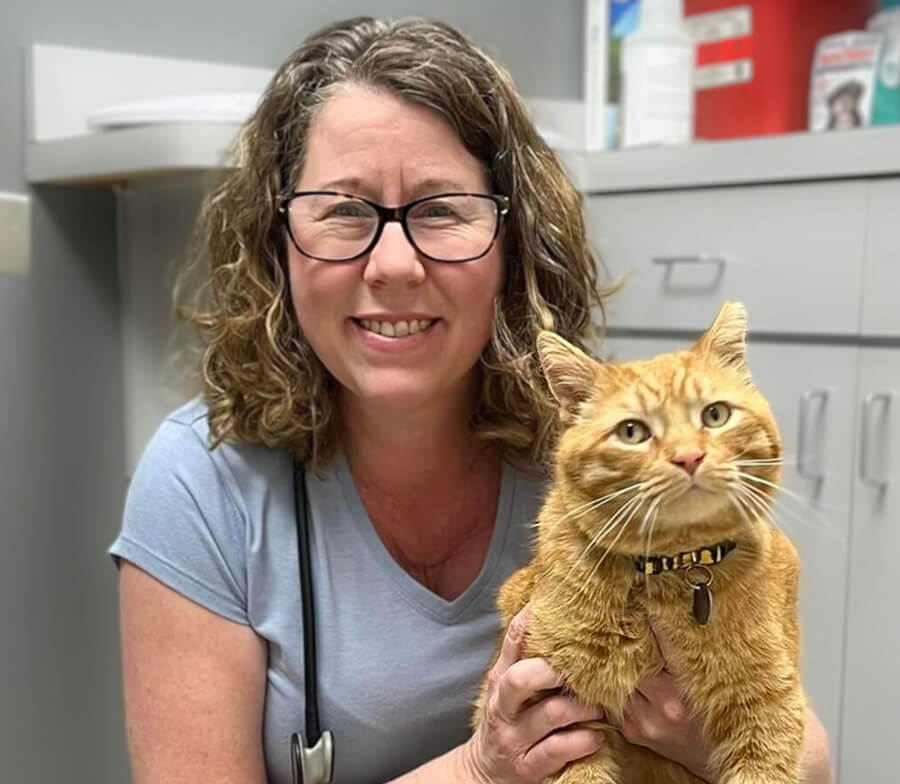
(695, 505)
(406, 394)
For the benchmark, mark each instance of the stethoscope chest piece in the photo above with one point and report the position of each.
(313, 765)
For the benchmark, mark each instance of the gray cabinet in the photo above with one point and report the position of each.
(812, 392)
(791, 253)
(872, 681)
(881, 279)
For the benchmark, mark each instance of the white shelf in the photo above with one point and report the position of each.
(134, 153)
(129, 153)
(66, 85)
(790, 157)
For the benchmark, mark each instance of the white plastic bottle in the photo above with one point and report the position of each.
(658, 77)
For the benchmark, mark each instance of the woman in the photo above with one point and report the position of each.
(392, 238)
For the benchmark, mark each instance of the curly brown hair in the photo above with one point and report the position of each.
(261, 380)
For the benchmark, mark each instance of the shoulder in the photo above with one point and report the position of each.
(179, 461)
(185, 436)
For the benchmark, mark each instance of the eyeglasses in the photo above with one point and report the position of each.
(448, 227)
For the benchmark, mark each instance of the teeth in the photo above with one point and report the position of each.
(398, 329)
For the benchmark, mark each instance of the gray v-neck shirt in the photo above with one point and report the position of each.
(399, 666)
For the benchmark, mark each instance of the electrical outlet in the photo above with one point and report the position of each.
(15, 233)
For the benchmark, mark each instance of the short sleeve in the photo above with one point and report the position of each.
(182, 526)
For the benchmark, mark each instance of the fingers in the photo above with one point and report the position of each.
(655, 712)
(517, 680)
(641, 725)
(513, 642)
(529, 730)
(520, 683)
(556, 713)
(562, 747)
(659, 688)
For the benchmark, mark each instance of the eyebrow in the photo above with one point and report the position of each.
(434, 185)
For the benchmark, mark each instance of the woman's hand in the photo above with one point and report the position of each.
(525, 734)
(657, 716)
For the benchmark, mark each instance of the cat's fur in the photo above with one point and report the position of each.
(590, 620)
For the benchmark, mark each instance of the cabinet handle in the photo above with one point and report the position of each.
(865, 458)
(696, 258)
(804, 461)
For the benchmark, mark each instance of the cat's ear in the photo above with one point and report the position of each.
(570, 373)
(726, 339)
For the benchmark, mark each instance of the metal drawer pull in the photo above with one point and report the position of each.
(865, 457)
(697, 258)
(811, 467)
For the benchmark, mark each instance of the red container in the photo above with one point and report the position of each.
(754, 60)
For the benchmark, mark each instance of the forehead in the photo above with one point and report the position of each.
(681, 377)
(374, 136)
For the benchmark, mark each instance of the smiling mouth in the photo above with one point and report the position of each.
(395, 329)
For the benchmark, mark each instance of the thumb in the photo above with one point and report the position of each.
(666, 650)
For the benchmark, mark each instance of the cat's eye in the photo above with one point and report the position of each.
(716, 414)
(632, 431)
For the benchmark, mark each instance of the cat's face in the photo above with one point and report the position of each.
(678, 437)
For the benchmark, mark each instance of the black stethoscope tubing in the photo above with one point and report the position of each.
(312, 755)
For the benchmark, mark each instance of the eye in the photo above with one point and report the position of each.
(632, 431)
(436, 210)
(716, 414)
(349, 209)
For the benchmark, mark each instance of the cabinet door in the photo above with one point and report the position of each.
(872, 681)
(792, 253)
(881, 283)
(811, 390)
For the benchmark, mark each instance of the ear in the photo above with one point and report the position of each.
(570, 373)
(726, 339)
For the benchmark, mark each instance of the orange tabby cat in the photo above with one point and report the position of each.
(664, 475)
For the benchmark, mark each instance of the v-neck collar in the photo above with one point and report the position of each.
(428, 601)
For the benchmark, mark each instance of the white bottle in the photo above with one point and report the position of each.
(658, 77)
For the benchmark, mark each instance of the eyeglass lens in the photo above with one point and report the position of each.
(447, 228)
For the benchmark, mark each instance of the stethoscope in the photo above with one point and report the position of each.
(312, 752)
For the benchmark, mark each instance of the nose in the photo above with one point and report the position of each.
(689, 461)
(393, 260)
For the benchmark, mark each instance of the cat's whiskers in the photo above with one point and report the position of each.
(630, 509)
(792, 515)
(654, 510)
(755, 500)
(784, 491)
(738, 499)
(654, 507)
(596, 503)
(622, 528)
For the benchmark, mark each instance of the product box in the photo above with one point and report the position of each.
(843, 82)
(754, 60)
(887, 88)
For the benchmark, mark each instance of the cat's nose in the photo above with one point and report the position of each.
(689, 461)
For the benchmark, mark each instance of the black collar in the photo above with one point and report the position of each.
(704, 556)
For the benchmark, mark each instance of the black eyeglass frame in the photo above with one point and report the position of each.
(398, 215)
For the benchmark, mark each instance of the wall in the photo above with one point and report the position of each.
(61, 440)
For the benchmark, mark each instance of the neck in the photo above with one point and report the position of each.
(401, 450)
(429, 486)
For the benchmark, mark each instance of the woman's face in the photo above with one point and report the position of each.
(380, 147)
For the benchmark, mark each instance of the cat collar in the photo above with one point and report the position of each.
(697, 573)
